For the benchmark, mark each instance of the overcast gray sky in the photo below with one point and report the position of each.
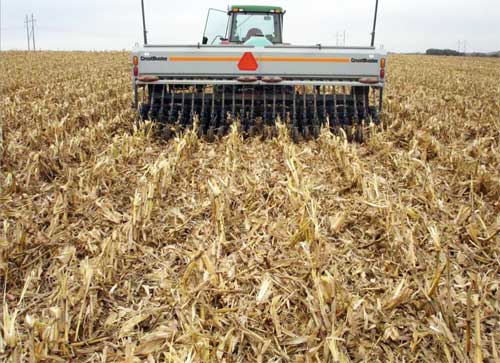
(116, 24)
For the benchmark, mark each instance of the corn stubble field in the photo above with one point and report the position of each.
(117, 246)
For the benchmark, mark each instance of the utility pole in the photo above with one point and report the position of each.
(33, 31)
(341, 39)
(28, 31)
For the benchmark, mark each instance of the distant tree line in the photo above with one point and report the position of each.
(451, 52)
(492, 54)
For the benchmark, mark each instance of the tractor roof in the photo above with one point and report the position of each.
(257, 8)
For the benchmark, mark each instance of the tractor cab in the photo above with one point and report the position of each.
(244, 24)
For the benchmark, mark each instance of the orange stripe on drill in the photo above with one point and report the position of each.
(305, 60)
(261, 59)
(204, 59)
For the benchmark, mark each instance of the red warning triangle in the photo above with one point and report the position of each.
(247, 62)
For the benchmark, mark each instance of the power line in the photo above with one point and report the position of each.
(30, 34)
(462, 45)
(33, 30)
(341, 38)
(27, 31)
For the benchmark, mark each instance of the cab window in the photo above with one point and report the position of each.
(247, 25)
